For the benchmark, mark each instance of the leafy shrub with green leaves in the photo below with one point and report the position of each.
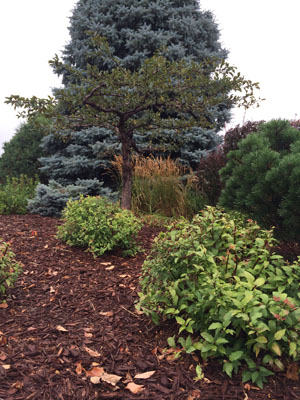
(15, 193)
(99, 225)
(230, 295)
(9, 268)
(262, 178)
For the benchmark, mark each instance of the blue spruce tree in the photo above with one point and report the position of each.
(135, 30)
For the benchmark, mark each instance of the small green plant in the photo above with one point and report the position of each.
(230, 296)
(99, 225)
(15, 193)
(9, 268)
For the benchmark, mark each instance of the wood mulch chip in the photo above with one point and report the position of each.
(70, 330)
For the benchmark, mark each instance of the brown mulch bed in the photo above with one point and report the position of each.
(70, 313)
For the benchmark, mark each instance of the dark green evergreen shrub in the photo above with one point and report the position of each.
(261, 178)
(15, 193)
(231, 297)
(99, 225)
(9, 268)
(21, 153)
(51, 200)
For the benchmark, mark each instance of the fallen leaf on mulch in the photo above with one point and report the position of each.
(110, 268)
(61, 328)
(292, 372)
(5, 366)
(134, 388)
(91, 352)
(3, 305)
(17, 385)
(144, 375)
(3, 340)
(196, 394)
(3, 356)
(97, 374)
(96, 371)
(79, 368)
(107, 313)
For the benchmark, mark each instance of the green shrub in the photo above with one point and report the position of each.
(15, 193)
(99, 225)
(9, 268)
(217, 277)
(262, 178)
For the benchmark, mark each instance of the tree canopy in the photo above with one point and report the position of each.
(127, 101)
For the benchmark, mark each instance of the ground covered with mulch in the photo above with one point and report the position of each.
(70, 330)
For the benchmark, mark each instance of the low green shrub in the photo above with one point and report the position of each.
(99, 225)
(9, 268)
(218, 278)
(261, 178)
(15, 193)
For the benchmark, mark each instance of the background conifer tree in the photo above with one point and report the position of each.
(21, 153)
(135, 29)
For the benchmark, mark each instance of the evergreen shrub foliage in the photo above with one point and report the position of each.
(231, 297)
(15, 193)
(22, 153)
(51, 199)
(100, 226)
(262, 178)
(9, 268)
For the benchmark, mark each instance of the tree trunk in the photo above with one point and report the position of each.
(126, 175)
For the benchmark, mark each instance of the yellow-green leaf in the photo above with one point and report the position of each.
(275, 347)
(279, 334)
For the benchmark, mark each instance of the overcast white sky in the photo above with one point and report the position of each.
(261, 35)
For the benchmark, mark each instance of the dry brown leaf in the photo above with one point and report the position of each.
(105, 263)
(123, 275)
(96, 371)
(3, 305)
(144, 375)
(91, 352)
(98, 375)
(292, 372)
(95, 380)
(3, 356)
(110, 268)
(3, 341)
(79, 368)
(134, 388)
(128, 378)
(52, 290)
(6, 366)
(107, 313)
(88, 335)
(195, 394)
(61, 328)
(17, 385)
(110, 378)
(121, 285)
